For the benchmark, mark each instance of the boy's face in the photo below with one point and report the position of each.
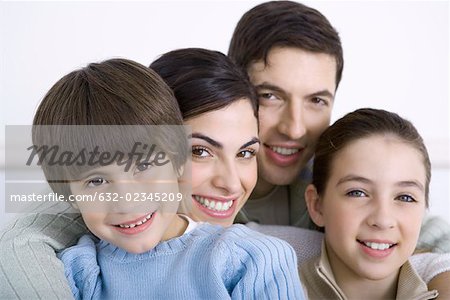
(296, 94)
(224, 170)
(373, 206)
(142, 214)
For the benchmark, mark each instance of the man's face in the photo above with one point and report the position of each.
(296, 95)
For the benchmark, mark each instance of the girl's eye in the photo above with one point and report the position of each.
(143, 166)
(200, 152)
(356, 193)
(249, 153)
(94, 182)
(406, 198)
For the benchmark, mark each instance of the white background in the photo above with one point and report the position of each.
(396, 56)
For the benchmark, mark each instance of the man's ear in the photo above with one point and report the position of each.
(314, 205)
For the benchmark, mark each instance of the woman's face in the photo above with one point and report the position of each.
(224, 172)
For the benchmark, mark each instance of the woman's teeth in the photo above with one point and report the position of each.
(214, 205)
(138, 223)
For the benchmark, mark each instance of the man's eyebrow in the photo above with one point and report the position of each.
(254, 140)
(207, 139)
(322, 93)
(268, 86)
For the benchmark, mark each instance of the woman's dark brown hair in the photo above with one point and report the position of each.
(204, 80)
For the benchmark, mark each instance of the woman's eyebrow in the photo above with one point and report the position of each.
(254, 140)
(207, 139)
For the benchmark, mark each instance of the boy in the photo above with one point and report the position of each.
(140, 246)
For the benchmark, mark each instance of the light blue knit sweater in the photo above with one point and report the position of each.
(209, 262)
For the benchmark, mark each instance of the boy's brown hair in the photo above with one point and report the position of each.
(110, 93)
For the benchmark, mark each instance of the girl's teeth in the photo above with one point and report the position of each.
(378, 246)
(214, 205)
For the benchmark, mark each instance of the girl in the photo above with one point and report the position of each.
(369, 192)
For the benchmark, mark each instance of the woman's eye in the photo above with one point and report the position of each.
(200, 152)
(246, 153)
(406, 198)
(143, 166)
(356, 193)
(95, 182)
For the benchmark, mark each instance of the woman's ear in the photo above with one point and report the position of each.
(314, 205)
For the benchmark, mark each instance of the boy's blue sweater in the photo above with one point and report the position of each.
(210, 262)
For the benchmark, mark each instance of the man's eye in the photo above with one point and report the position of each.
(356, 193)
(143, 166)
(200, 152)
(267, 96)
(320, 101)
(96, 182)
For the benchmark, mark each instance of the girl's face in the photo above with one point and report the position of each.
(224, 172)
(128, 209)
(372, 207)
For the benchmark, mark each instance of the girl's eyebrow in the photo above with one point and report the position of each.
(353, 178)
(404, 183)
(412, 183)
(254, 140)
(207, 139)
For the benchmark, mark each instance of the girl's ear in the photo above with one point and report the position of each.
(314, 205)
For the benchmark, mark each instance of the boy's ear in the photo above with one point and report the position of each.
(314, 205)
(180, 171)
(74, 204)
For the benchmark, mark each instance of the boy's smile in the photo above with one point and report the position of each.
(133, 226)
(137, 225)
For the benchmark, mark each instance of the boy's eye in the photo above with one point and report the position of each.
(406, 198)
(143, 166)
(96, 182)
(249, 153)
(200, 152)
(356, 193)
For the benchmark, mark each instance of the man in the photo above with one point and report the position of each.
(294, 58)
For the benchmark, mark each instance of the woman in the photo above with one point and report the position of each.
(218, 102)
